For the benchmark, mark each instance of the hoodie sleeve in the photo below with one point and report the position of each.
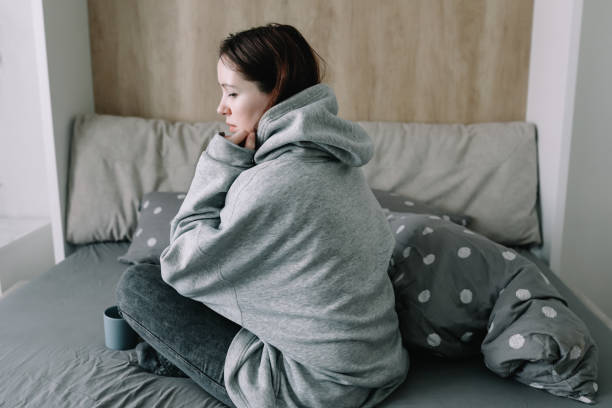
(196, 231)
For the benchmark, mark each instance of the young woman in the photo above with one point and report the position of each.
(279, 252)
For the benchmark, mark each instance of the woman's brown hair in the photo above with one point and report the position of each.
(276, 57)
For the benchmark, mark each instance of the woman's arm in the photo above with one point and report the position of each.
(200, 215)
(219, 165)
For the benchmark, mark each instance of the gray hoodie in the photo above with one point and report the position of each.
(290, 243)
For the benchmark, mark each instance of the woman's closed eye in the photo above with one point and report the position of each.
(232, 95)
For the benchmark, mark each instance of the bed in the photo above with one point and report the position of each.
(52, 350)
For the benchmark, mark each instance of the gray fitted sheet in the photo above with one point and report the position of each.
(52, 352)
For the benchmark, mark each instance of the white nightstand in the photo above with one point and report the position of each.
(26, 249)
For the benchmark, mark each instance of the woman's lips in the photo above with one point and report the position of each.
(232, 128)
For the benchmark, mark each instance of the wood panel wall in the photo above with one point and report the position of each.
(435, 61)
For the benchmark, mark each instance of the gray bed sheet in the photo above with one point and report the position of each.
(52, 352)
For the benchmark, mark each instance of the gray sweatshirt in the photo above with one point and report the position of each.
(290, 243)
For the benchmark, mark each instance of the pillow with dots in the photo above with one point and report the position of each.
(152, 234)
(157, 209)
(390, 201)
(460, 294)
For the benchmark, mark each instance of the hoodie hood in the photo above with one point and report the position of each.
(307, 123)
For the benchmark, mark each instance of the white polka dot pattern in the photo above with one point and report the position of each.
(434, 340)
(409, 203)
(464, 252)
(156, 210)
(523, 294)
(406, 252)
(429, 259)
(595, 387)
(510, 256)
(549, 312)
(465, 296)
(575, 353)
(516, 341)
(464, 256)
(424, 296)
(586, 400)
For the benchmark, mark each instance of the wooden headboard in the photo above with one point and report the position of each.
(435, 61)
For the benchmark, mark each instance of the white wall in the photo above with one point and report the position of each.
(569, 99)
(45, 80)
(550, 103)
(23, 187)
(586, 256)
(64, 71)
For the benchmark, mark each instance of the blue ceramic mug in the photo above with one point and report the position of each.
(118, 335)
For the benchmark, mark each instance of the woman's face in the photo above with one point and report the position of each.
(242, 103)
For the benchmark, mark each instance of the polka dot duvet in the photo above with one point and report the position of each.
(459, 294)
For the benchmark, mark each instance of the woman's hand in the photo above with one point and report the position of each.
(243, 138)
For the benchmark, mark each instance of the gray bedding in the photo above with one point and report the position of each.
(459, 294)
(52, 352)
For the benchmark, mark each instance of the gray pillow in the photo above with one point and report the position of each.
(488, 171)
(459, 294)
(153, 231)
(114, 160)
(390, 201)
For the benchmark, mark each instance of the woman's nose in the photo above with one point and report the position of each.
(222, 109)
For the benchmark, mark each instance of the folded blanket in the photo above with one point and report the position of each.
(459, 294)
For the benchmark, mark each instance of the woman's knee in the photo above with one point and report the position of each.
(136, 286)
